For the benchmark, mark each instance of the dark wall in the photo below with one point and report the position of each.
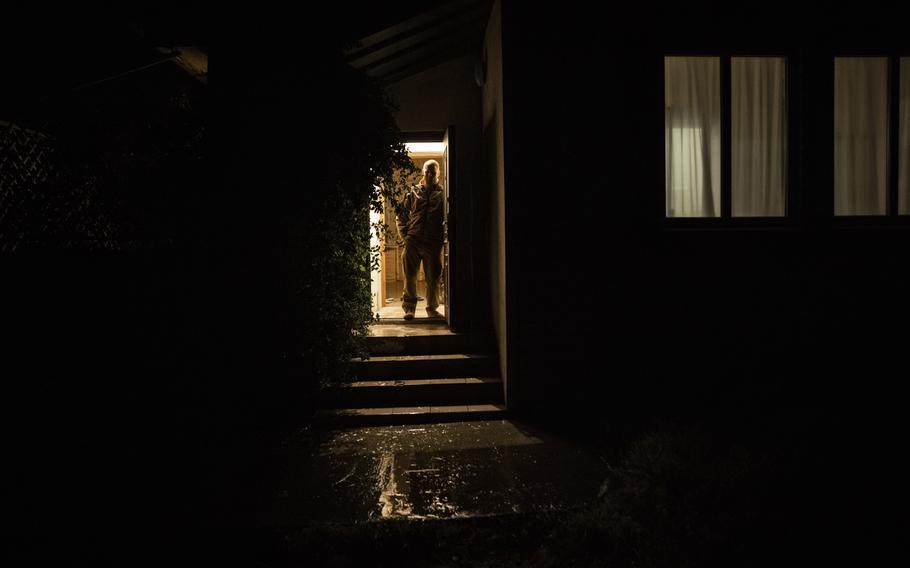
(613, 309)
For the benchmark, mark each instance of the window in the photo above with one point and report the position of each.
(759, 124)
(904, 141)
(871, 136)
(750, 179)
(692, 136)
(860, 135)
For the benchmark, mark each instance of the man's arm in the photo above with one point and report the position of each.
(402, 215)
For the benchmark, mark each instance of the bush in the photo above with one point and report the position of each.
(362, 163)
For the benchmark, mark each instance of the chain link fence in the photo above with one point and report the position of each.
(43, 204)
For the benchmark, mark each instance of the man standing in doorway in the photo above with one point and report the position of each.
(420, 225)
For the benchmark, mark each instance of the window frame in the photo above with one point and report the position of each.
(793, 212)
(892, 216)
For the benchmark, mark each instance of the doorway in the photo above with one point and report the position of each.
(388, 280)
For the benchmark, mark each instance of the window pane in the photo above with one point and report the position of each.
(759, 130)
(860, 135)
(692, 136)
(904, 167)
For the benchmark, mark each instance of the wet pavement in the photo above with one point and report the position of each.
(432, 471)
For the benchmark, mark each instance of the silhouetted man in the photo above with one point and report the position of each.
(420, 225)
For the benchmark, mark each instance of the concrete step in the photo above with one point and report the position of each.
(420, 320)
(437, 344)
(387, 416)
(408, 367)
(414, 392)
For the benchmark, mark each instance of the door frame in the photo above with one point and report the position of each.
(450, 189)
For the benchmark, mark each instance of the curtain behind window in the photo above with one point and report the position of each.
(904, 167)
(692, 141)
(759, 126)
(860, 135)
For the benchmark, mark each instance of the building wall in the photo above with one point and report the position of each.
(433, 100)
(640, 313)
(492, 203)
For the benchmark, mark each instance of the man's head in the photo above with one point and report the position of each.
(431, 172)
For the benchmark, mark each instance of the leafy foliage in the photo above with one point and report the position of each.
(362, 166)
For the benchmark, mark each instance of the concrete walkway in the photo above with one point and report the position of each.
(432, 471)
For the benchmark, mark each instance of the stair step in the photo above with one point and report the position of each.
(386, 416)
(463, 390)
(440, 343)
(404, 367)
(417, 321)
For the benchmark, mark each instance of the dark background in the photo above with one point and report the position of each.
(129, 370)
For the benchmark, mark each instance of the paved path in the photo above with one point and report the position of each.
(454, 470)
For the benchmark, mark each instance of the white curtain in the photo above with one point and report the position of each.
(904, 185)
(692, 142)
(860, 135)
(759, 127)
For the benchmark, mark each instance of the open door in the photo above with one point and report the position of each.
(448, 217)
(389, 281)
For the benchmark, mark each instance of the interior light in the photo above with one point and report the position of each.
(435, 147)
